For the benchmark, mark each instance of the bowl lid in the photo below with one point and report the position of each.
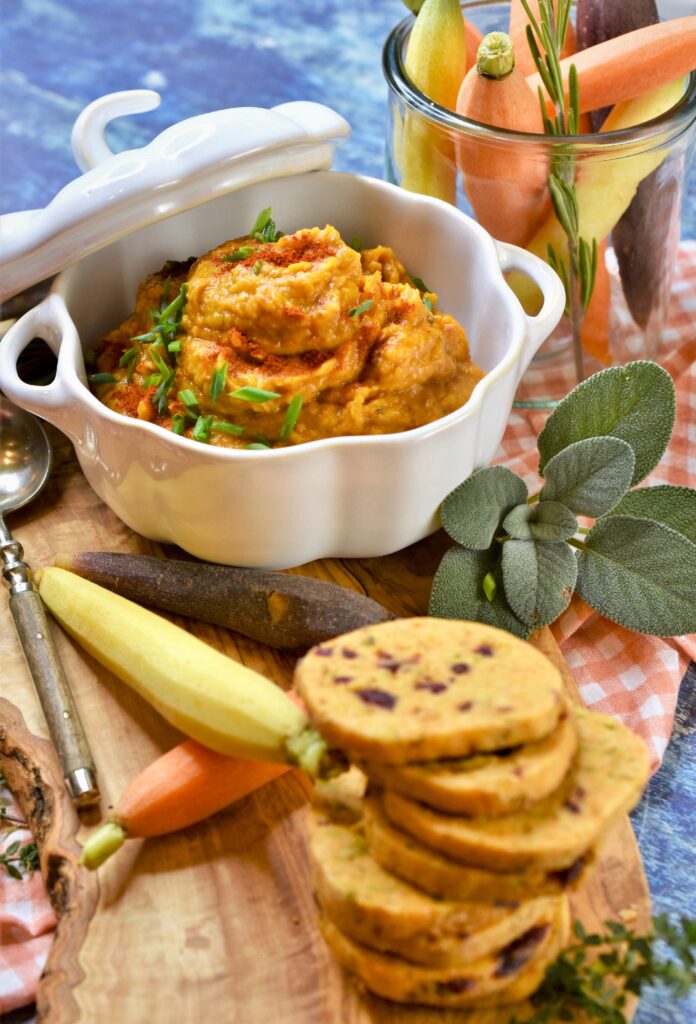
(186, 165)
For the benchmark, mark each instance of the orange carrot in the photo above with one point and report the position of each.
(630, 65)
(473, 38)
(505, 186)
(518, 34)
(183, 786)
(594, 333)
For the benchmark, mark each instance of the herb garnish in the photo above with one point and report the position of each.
(259, 446)
(428, 303)
(362, 308)
(18, 858)
(578, 268)
(227, 428)
(102, 378)
(290, 418)
(218, 381)
(178, 423)
(188, 398)
(166, 322)
(201, 431)
(251, 394)
(129, 356)
(257, 268)
(239, 254)
(596, 987)
(151, 379)
(161, 396)
(518, 559)
(420, 284)
(357, 243)
(265, 228)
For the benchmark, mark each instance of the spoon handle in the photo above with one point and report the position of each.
(60, 711)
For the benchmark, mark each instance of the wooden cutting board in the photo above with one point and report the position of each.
(216, 923)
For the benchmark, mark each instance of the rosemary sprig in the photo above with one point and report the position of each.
(546, 37)
(591, 979)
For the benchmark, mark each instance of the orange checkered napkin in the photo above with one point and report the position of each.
(620, 672)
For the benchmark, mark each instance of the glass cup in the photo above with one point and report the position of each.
(629, 182)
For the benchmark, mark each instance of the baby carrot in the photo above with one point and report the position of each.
(630, 65)
(183, 786)
(505, 184)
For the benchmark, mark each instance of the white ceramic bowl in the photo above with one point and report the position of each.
(340, 497)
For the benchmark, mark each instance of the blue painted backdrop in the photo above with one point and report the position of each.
(58, 55)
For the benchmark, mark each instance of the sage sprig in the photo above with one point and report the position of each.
(546, 38)
(517, 559)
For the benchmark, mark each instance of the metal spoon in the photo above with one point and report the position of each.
(25, 465)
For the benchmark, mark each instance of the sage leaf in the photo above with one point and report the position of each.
(549, 520)
(641, 574)
(472, 513)
(458, 591)
(590, 477)
(539, 579)
(635, 403)
(672, 506)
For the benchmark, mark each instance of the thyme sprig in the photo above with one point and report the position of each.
(18, 859)
(595, 975)
(546, 38)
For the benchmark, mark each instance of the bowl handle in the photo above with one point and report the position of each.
(87, 141)
(50, 321)
(539, 327)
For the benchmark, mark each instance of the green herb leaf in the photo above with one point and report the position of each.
(251, 394)
(201, 431)
(242, 253)
(362, 308)
(591, 476)
(420, 284)
(152, 379)
(188, 398)
(264, 229)
(635, 403)
(227, 428)
(356, 243)
(218, 381)
(549, 520)
(178, 423)
(160, 399)
(458, 591)
(257, 268)
(672, 506)
(102, 378)
(174, 346)
(539, 579)
(640, 574)
(473, 512)
(259, 446)
(428, 303)
(261, 221)
(129, 356)
(290, 418)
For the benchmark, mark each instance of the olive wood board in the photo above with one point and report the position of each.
(217, 922)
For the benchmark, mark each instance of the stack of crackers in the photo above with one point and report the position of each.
(486, 797)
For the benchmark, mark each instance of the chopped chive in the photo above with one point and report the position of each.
(188, 398)
(174, 346)
(178, 423)
(428, 303)
(262, 439)
(291, 417)
(227, 428)
(261, 221)
(362, 308)
(218, 381)
(201, 431)
(90, 358)
(239, 254)
(166, 289)
(251, 394)
(420, 284)
(257, 267)
(357, 243)
(128, 356)
(161, 395)
(257, 446)
(152, 378)
(102, 378)
(156, 356)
